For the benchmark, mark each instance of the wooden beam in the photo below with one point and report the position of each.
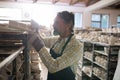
(55, 1)
(87, 2)
(101, 4)
(90, 2)
(72, 2)
(34, 1)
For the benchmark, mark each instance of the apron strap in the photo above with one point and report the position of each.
(66, 44)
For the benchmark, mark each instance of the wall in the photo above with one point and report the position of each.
(112, 13)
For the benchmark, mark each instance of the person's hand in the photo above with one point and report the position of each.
(32, 37)
(38, 43)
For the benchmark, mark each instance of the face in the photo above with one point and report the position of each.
(59, 26)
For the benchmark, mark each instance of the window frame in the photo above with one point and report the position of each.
(117, 20)
(100, 22)
(78, 27)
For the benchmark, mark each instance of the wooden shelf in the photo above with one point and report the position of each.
(97, 49)
(89, 75)
(14, 44)
(88, 58)
(98, 77)
(111, 33)
(100, 66)
(101, 52)
(99, 43)
(10, 58)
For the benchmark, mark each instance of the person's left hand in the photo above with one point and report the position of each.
(38, 43)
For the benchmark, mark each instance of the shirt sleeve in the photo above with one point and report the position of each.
(70, 56)
(49, 41)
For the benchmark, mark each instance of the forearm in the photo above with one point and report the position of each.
(46, 58)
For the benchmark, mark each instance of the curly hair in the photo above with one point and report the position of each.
(68, 17)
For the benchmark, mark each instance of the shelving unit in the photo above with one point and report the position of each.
(99, 60)
(14, 55)
(87, 61)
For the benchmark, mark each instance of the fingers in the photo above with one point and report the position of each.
(38, 43)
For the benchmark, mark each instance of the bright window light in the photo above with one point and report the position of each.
(44, 15)
(78, 20)
(10, 14)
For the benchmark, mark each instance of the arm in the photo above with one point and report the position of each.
(70, 56)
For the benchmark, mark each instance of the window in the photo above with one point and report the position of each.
(118, 21)
(14, 14)
(100, 20)
(78, 20)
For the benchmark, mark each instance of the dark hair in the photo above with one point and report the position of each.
(68, 17)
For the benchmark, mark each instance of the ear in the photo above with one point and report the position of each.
(69, 26)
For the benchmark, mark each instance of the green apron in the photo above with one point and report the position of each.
(65, 74)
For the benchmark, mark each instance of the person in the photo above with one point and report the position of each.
(62, 59)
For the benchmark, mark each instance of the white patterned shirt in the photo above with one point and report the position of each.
(70, 57)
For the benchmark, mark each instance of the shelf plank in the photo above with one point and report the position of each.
(106, 45)
(111, 33)
(88, 58)
(89, 75)
(98, 76)
(100, 65)
(99, 43)
(101, 52)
